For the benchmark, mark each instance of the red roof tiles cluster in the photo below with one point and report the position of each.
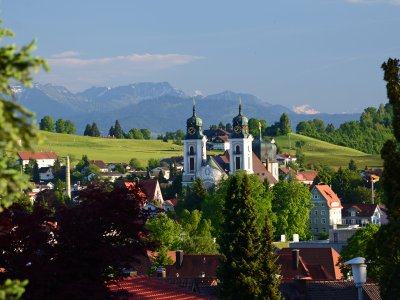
(306, 175)
(363, 210)
(37, 155)
(329, 196)
(142, 287)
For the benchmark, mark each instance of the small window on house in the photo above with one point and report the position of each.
(237, 149)
(191, 164)
(323, 221)
(323, 212)
(353, 213)
(315, 212)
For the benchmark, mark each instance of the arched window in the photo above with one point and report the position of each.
(191, 150)
(237, 149)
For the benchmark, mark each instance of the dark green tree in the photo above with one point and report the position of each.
(195, 195)
(135, 164)
(135, 134)
(47, 124)
(35, 174)
(88, 130)
(60, 126)
(146, 133)
(387, 240)
(153, 163)
(69, 127)
(284, 124)
(118, 132)
(95, 130)
(242, 270)
(352, 165)
(111, 132)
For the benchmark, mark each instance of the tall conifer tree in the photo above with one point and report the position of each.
(245, 270)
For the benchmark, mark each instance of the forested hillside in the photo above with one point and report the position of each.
(367, 135)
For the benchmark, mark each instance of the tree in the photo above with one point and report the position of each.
(95, 130)
(69, 127)
(118, 132)
(241, 271)
(197, 238)
(195, 196)
(387, 240)
(35, 173)
(146, 133)
(60, 126)
(153, 163)
(357, 247)
(291, 204)
(111, 131)
(284, 124)
(88, 130)
(134, 163)
(352, 165)
(46, 124)
(135, 133)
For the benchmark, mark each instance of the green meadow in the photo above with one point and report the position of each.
(317, 151)
(115, 150)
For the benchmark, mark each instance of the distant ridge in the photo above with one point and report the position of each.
(156, 106)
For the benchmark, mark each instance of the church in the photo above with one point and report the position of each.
(245, 153)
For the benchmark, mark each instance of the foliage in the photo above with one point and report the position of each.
(76, 249)
(153, 163)
(146, 133)
(47, 124)
(284, 124)
(65, 126)
(117, 131)
(92, 130)
(12, 289)
(135, 134)
(134, 163)
(367, 135)
(16, 130)
(291, 204)
(197, 238)
(357, 247)
(194, 196)
(164, 232)
(242, 271)
(254, 127)
(386, 245)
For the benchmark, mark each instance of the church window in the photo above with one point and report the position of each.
(191, 150)
(237, 149)
(237, 163)
(191, 164)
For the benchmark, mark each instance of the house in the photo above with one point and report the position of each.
(164, 170)
(219, 143)
(111, 176)
(46, 173)
(328, 290)
(143, 287)
(100, 164)
(326, 210)
(361, 214)
(168, 205)
(310, 263)
(284, 159)
(152, 190)
(306, 177)
(190, 265)
(43, 159)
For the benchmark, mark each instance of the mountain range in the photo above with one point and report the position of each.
(158, 107)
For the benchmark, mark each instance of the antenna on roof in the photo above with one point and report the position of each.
(240, 105)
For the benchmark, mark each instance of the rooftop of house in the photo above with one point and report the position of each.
(44, 169)
(285, 156)
(314, 263)
(36, 155)
(99, 163)
(306, 175)
(362, 210)
(332, 200)
(143, 287)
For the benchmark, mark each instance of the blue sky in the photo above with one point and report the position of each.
(323, 53)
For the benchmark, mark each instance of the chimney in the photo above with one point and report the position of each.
(295, 258)
(179, 258)
(161, 273)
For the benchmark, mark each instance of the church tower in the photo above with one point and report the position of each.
(240, 142)
(194, 147)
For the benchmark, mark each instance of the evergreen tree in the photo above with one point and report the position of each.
(111, 132)
(88, 130)
(35, 175)
(352, 165)
(47, 124)
(118, 133)
(242, 270)
(284, 124)
(95, 130)
(386, 245)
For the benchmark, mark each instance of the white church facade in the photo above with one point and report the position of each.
(245, 154)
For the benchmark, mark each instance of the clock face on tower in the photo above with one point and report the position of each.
(191, 130)
(237, 129)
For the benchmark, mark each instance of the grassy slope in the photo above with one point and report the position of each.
(317, 151)
(108, 150)
(113, 150)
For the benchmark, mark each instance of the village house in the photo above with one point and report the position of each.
(46, 174)
(285, 159)
(164, 170)
(100, 164)
(43, 159)
(361, 214)
(326, 210)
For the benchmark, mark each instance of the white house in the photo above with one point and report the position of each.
(43, 159)
(46, 173)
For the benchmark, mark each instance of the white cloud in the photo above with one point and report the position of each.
(78, 73)
(390, 2)
(305, 109)
(66, 54)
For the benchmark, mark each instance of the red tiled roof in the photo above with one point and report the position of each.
(37, 155)
(153, 254)
(99, 163)
(329, 195)
(363, 210)
(193, 265)
(316, 263)
(142, 287)
(306, 175)
(285, 155)
(261, 170)
(148, 186)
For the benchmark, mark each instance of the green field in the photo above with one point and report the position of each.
(108, 150)
(317, 151)
(115, 150)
